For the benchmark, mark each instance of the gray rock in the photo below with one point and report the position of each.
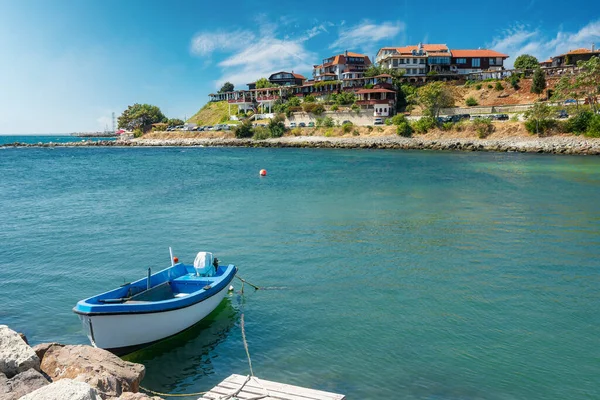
(104, 371)
(15, 355)
(65, 389)
(136, 396)
(20, 385)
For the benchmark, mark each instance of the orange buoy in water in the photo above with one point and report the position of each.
(175, 260)
(263, 172)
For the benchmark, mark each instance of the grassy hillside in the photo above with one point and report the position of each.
(213, 113)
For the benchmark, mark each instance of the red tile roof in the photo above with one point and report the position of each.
(341, 58)
(365, 91)
(477, 53)
(299, 76)
(579, 51)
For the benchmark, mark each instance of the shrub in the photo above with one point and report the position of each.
(514, 81)
(296, 132)
(460, 125)
(404, 129)
(309, 107)
(423, 125)
(541, 125)
(379, 129)
(447, 126)
(319, 109)
(293, 102)
(347, 127)
(328, 122)
(329, 132)
(471, 101)
(478, 86)
(276, 126)
(261, 133)
(398, 119)
(334, 107)
(489, 86)
(370, 128)
(515, 118)
(580, 122)
(355, 132)
(499, 86)
(310, 99)
(356, 108)
(244, 130)
(593, 129)
(483, 127)
(388, 121)
(137, 132)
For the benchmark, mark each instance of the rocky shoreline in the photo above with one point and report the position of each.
(551, 145)
(50, 371)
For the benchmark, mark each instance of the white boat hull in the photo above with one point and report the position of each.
(120, 331)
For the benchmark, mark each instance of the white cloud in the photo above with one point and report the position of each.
(250, 55)
(204, 44)
(366, 33)
(524, 40)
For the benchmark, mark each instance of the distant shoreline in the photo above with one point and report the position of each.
(550, 145)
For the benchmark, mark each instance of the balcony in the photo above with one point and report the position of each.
(240, 100)
(373, 102)
(267, 98)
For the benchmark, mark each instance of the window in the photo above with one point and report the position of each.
(461, 60)
(414, 60)
(492, 61)
(402, 61)
(422, 71)
(395, 62)
(422, 61)
(476, 62)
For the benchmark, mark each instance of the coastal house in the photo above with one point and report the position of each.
(333, 68)
(413, 60)
(574, 56)
(472, 61)
(282, 78)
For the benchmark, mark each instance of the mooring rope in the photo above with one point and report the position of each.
(248, 378)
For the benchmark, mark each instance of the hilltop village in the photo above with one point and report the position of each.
(412, 89)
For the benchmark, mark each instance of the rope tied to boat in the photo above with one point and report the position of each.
(171, 395)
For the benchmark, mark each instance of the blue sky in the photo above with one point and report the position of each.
(67, 64)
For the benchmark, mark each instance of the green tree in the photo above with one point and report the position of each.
(174, 122)
(539, 81)
(227, 87)
(344, 98)
(276, 126)
(264, 83)
(526, 61)
(587, 82)
(140, 116)
(435, 96)
(538, 117)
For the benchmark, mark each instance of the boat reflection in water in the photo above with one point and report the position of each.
(188, 362)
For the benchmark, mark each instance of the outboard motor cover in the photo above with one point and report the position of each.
(203, 264)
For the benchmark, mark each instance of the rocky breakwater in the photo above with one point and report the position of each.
(552, 144)
(51, 371)
(532, 144)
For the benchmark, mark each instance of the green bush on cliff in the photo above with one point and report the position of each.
(404, 129)
(594, 127)
(244, 130)
(423, 125)
(580, 122)
(483, 127)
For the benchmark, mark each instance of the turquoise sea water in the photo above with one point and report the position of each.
(57, 138)
(400, 275)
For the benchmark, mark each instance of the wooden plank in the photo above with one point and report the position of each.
(277, 391)
(276, 387)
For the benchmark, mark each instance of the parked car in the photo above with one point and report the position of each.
(442, 120)
(570, 101)
(347, 122)
(378, 121)
(292, 124)
(209, 128)
(460, 117)
(311, 124)
(302, 125)
(562, 114)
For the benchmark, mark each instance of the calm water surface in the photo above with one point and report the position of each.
(58, 138)
(413, 275)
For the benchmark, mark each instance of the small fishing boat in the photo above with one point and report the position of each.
(163, 304)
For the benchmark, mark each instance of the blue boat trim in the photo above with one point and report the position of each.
(179, 276)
